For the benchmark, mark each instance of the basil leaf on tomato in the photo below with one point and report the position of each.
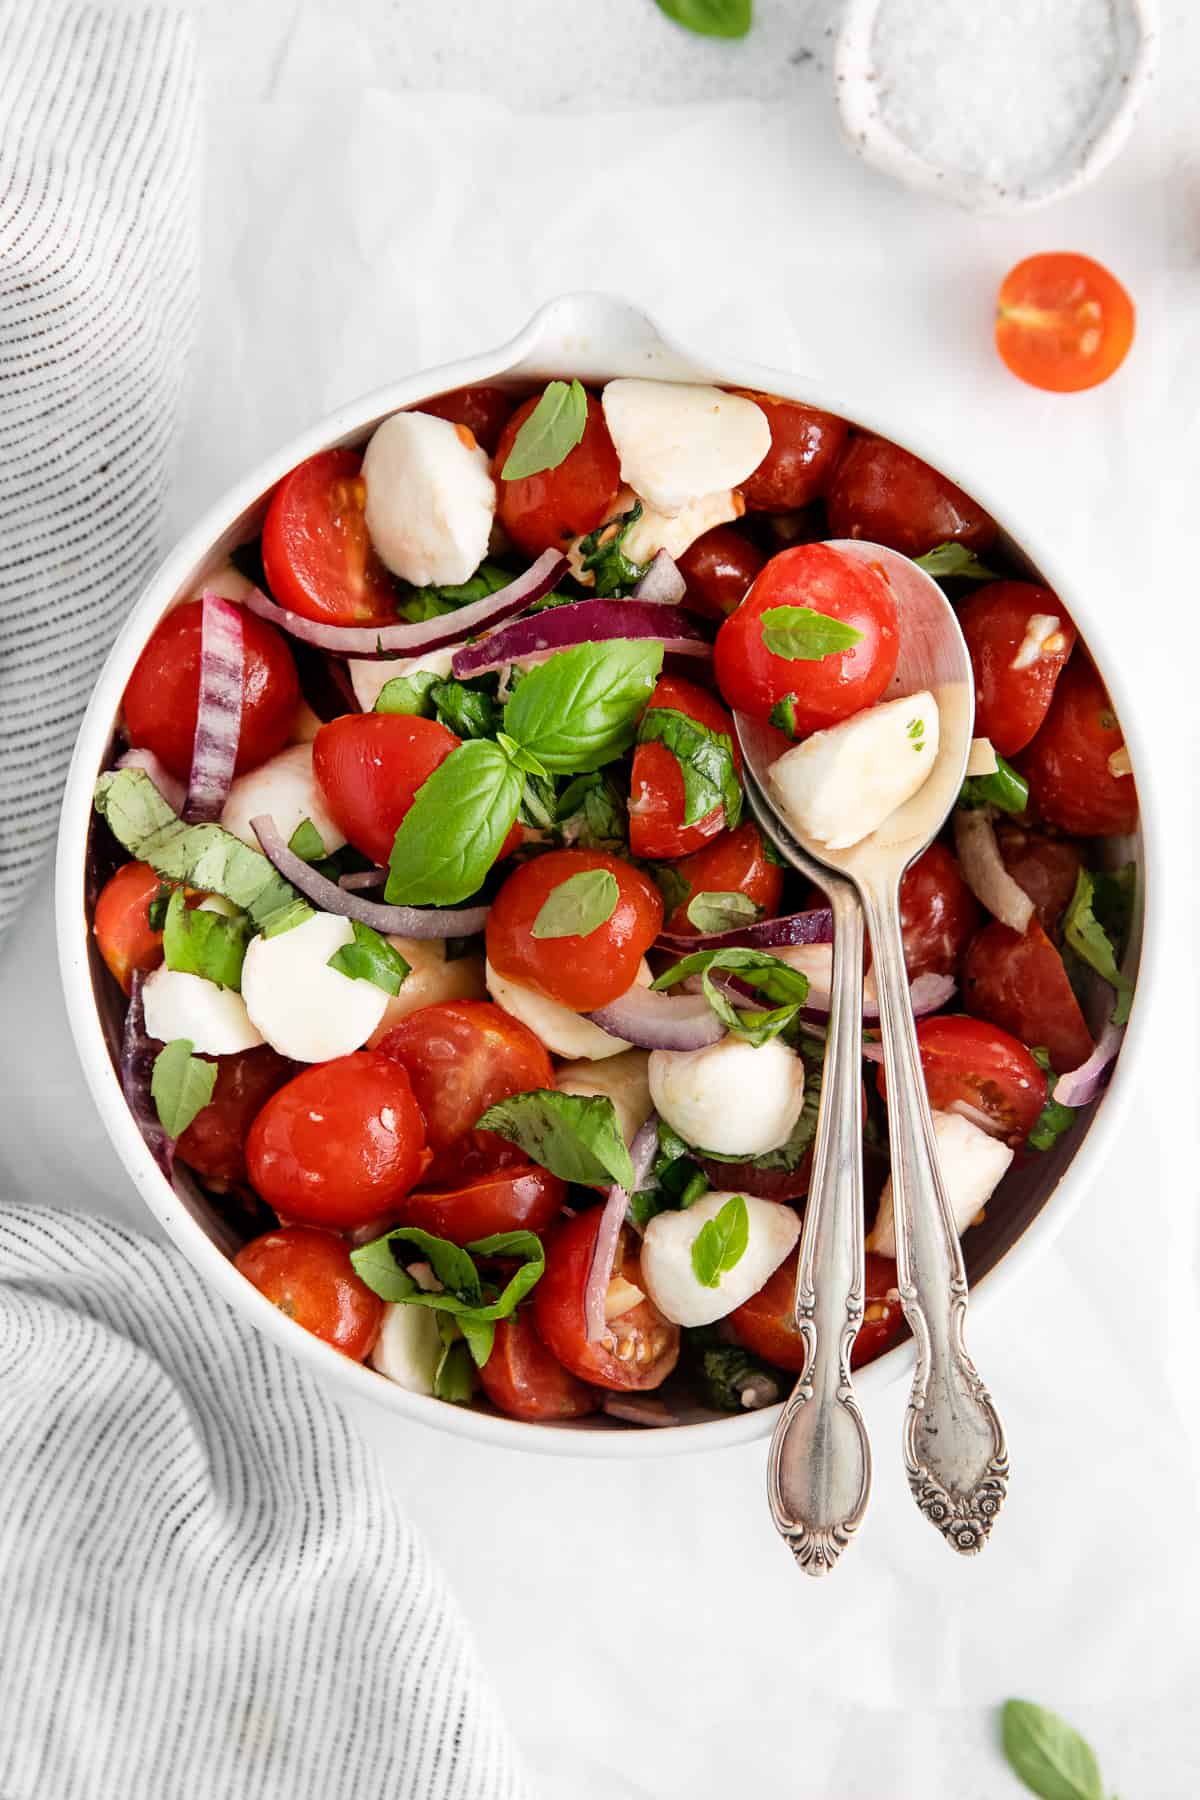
(455, 828)
(705, 759)
(711, 913)
(550, 433)
(578, 906)
(197, 941)
(580, 708)
(575, 1136)
(802, 634)
(370, 958)
(181, 1085)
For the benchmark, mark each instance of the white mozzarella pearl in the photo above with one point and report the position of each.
(430, 499)
(668, 1274)
(564, 1033)
(678, 441)
(408, 1348)
(215, 1019)
(972, 1164)
(840, 785)
(305, 1009)
(729, 1097)
(285, 788)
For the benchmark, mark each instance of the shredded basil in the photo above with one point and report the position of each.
(575, 1136)
(602, 554)
(705, 759)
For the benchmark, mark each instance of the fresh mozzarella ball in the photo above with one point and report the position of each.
(286, 789)
(666, 1258)
(430, 981)
(226, 581)
(655, 531)
(369, 679)
(305, 1009)
(678, 442)
(409, 1347)
(840, 785)
(622, 1079)
(729, 1097)
(564, 1033)
(972, 1164)
(430, 499)
(173, 791)
(215, 1019)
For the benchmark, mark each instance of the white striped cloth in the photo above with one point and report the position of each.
(205, 1592)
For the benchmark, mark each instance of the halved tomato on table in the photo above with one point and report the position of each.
(1019, 983)
(975, 1068)
(656, 793)
(316, 549)
(525, 1381)
(1063, 322)
(639, 1348)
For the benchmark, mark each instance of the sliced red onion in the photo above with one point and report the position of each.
(402, 921)
(1080, 1086)
(168, 785)
(928, 993)
(138, 1054)
(662, 581)
(218, 709)
(582, 622)
(612, 1217)
(813, 927)
(374, 641)
(639, 1409)
(984, 871)
(363, 878)
(658, 1021)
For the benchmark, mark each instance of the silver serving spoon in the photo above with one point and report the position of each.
(954, 1448)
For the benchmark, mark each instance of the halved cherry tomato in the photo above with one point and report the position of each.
(308, 1275)
(214, 1144)
(825, 691)
(1020, 984)
(765, 1324)
(884, 494)
(718, 569)
(579, 971)
(1067, 765)
(656, 797)
(938, 913)
(805, 446)
(162, 694)
(340, 1143)
(1063, 322)
(544, 512)
(463, 1056)
(483, 410)
(734, 863)
(977, 1065)
(369, 766)
(121, 922)
(639, 1348)
(316, 550)
(523, 1198)
(1010, 703)
(1047, 868)
(526, 1382)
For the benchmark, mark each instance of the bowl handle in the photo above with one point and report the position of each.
(596, 336)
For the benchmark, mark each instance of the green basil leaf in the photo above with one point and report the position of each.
(695, 1189)
(645, 1205)
(735, 1381)
(1086, 935)
(575, 1136)
(954, 561)
(472, 1303)
(804, 635)
(370, 958)
(480, 1335)
(550, 433)
(539, 803)
(673, 886)
(469, 712)
(204, 943)
(449, 1262)
(452, 1377)
(1054, 1118)
(591, 812)
(306, 843)
(285, 917)
(783, 716)
(375, 1264)
(1005, 790)
(721, 1242)
(774, 979)
(711, 18)
(417, 604)
(408, 694)
(181, 1085)
(713, 912)
(705, 760)
(580, 708)
(602, 555)
(156, 912)
(455, 828)
(520, 757)
(578, 906)
(1048, 1755)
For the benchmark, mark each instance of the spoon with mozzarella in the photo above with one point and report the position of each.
(864, 798)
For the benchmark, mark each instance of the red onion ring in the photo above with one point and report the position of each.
(138, 1053)
(659, 1021)
(363, 878)
(662, 581)
(1078, 1087)
(375, 642)
(639, 1409)
(581, 622)
(402, 921)
(813, 927)
(928, 993)
(218, 709)
(168, 785)
(984, 871)
(612, 1217)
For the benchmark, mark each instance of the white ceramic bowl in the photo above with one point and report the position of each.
(595, 338)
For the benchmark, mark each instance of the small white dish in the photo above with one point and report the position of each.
(861, 88)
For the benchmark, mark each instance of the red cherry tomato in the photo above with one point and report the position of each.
(461, 1057)
(483, 410)
(1063, 322)
(828, 581)
(526, 1382)
(1047, 868)
(340, 1144)
(316, 550)
(163, 692)
(122, 922)
(656, 797)
(639, 1348)
(214, 1144)
(1070, 783)
(718, 568)
(1020, 984)
(734, 863)
(1011, 703)
(765, 1324)
(544, 512)
(582, 972)
(886, 495)
(523, 1198)
(308, 1275)
(797, 469)
(978, 1065)
(938, 913)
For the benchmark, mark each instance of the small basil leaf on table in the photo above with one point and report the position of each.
(1048, 1755)
(711, 18)
(550, 433)
(455, 828)
(578, 906)
(954, 560)
(721, 1243)
(1086, 935)
(705, 761)
(803, 635)
(713, 912)
(580, 708)
(575, 1136)
(602, 554)
(306, 842)
(370, 958)
(200, 942)
(408, 694)
(181, 1085)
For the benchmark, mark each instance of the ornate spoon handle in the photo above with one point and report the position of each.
(954, 1447)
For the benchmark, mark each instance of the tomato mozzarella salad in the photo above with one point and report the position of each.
(456, 973)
